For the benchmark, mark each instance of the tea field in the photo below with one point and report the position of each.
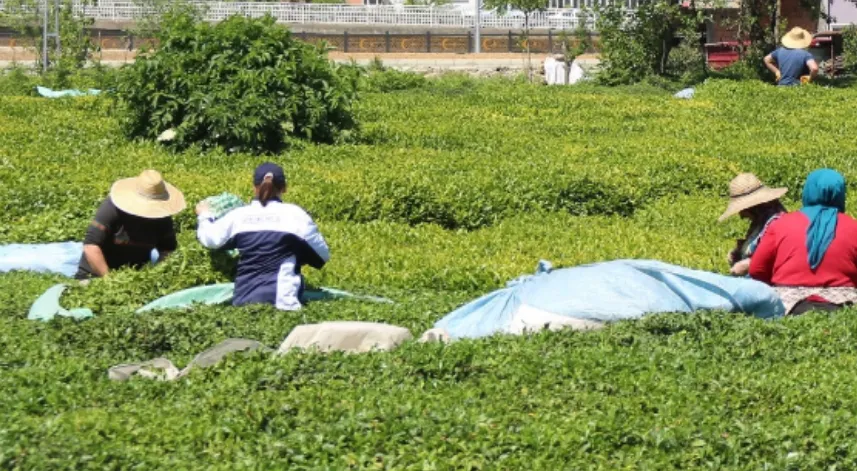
(447, 191)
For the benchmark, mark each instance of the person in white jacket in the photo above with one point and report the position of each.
(274, 240)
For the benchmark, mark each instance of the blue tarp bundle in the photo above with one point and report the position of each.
(48, 93)
(56, 257)
(59, 257)
(605, 292)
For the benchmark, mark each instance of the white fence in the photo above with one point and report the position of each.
(392, 15)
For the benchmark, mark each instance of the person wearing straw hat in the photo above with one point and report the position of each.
(135, 219)
(792, 64)
(752, 200)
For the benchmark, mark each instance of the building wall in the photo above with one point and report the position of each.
(842, 12)
(792, 13)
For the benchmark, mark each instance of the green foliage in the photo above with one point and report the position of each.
(390, 80)
(638, 44)
(849, 49)
(455, 187)
(241, 84)
(687, 63)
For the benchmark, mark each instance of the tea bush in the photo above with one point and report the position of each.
(450, 189)
(241, 84)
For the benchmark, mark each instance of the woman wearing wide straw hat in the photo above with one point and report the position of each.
(135, 219)
(751, 199)
(792, 64)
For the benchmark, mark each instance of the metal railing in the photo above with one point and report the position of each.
(398, 15)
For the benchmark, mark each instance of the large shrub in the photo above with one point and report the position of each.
(638, 44)
(242, 84)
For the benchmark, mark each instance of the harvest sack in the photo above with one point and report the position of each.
(345, 336)
(164, 370)
(557, 74)
(588, 296)
(352, 337)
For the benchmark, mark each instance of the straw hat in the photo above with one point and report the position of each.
(147, 195)
(797, 38)
(746, 191)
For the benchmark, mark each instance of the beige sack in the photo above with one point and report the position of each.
(345, 336)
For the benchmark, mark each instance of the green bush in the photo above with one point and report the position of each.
(849, 49)
(391, 80)
(241, 84)
(638, 44)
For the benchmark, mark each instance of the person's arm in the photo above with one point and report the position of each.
(314, 250)
(95, 258)
(769, 63)
(97, 234)
(167, 242)
(211, 233)
(813, 68)
(762, 261)
(740, 268)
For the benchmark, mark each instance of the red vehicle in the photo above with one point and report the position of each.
(826, 47)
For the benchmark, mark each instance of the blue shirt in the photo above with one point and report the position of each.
(792, 64)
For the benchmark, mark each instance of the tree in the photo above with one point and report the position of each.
(577, 43)
(241, 84)
(527, 7)
(637, 44)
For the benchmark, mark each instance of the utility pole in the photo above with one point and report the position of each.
(47, 6)
(477, 19)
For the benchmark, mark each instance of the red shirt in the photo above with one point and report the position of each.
(781, 257)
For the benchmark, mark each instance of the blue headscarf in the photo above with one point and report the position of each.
(823, 200)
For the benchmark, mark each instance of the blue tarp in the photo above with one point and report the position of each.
(59, 257)
(56, 257)
(611, 291)
(686, 94)
(48, 93)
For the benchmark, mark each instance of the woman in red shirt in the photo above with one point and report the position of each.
(810, 256)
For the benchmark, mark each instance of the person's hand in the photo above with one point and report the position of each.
(741, 268)
(777, 77)
(733, 256)
(203, 207)
(805, 79)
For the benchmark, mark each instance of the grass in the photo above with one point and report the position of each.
(450, 189)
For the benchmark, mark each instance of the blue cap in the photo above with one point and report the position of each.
(269, 169)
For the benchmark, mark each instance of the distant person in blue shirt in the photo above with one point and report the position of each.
(792, 63)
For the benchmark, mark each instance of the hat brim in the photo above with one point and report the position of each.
(792, 43)
(761, 196)
(125, 197)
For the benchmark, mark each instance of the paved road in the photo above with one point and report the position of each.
(427, 61)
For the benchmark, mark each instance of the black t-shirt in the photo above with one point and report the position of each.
(126, 240)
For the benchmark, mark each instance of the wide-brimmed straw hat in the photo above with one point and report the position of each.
(147, 195)
(797, 38)
(746, 191)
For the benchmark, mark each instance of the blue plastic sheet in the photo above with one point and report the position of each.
(59, 257)
(686, 94)
(48, 93)
(56, 257)
(612, 291)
